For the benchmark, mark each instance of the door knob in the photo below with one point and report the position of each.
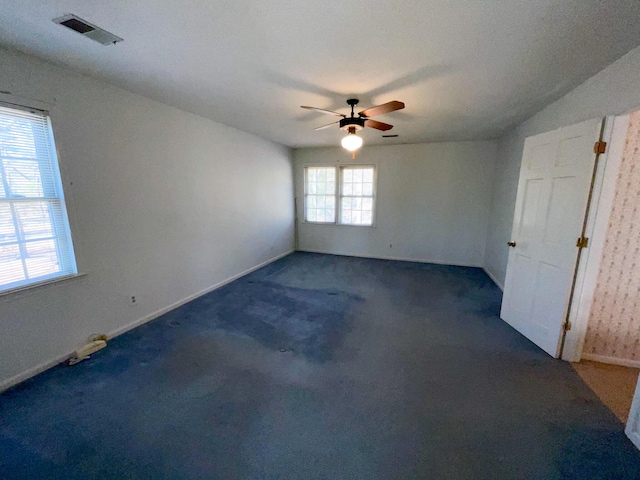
(511, 243)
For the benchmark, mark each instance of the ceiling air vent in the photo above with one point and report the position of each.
(87, 29)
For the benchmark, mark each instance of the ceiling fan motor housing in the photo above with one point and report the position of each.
(355, 122)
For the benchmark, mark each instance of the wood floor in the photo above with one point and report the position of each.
(613, 384)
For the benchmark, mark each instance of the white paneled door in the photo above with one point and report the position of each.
(553, 191)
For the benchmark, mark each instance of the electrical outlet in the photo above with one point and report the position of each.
(133, 301)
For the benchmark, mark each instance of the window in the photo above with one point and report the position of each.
(320, 195)
(35, 241)
(356, 195)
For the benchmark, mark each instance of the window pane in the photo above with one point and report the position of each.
(330, 202)
(11, 268)
(7, 227)
(367, 189)
(346, 216)
(33, 220)
(23, 178)
(311, 201)
(41, 258)
(17, 136)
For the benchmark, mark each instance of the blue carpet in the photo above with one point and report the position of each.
(315, 367)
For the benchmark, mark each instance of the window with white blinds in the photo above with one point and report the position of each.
(35, 241)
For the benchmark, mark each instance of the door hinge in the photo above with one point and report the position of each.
(567, 326)
(583, 242)
(600, 147)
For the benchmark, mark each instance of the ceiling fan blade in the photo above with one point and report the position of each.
(382, 109)
(377, 125)
(323, 111)
(327, 125)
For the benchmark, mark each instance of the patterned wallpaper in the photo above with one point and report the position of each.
(614, 324)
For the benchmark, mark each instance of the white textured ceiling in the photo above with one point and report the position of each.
(466, 69)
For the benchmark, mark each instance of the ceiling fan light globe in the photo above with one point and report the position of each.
(351, 142)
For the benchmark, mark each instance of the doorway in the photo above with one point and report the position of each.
(606, 337)
(606, 305)
(602, 310)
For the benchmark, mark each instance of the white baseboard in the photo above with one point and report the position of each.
(21, 377)
(32, 372)
(625, 362)
(381, 257)
(495, 280)
(407, 259)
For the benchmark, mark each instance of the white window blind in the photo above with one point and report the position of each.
(35, 241)
(356, 195)
(320, 194)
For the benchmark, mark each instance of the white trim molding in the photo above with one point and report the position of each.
(604, 190)
(381, 257)
(493, 277)
(625, 362)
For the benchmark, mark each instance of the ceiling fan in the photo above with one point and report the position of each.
(352, 124)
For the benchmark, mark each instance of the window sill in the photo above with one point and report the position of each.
(338, 225)
(37, 285)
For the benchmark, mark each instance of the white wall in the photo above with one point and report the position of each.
(613, 91)
(432, 202)
(163, 204)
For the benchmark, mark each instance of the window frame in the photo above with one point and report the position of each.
(7, 102)
(372, 196)
(339, 172)
(306, 194)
